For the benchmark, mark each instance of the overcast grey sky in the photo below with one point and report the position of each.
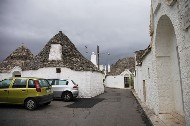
(119, 27)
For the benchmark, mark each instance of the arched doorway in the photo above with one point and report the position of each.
(16, 74)
(167, 67)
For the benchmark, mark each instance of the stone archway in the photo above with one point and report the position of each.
(167, 67)
(16, 74)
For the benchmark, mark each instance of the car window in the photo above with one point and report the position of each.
(50, 81)
(63, 82)
(43, 83)
(56, 82)
(73, 82)
(31, 84)
(5, 83)
(19, 83)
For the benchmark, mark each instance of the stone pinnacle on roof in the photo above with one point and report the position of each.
(70, 56)
(20, 57)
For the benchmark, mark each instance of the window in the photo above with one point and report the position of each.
(19, 83)
(51, 82)
(17, 75)
(5, 83)
(43, 83)
(31, 84)
(148, 73)
(58, 70)
(63, 82)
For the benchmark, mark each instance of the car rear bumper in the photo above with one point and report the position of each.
(44, 99)
(75, 93)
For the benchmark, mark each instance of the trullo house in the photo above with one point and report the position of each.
(58, 59)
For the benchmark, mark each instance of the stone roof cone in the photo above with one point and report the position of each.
(20, 57)
(121, 65)
(70, 56)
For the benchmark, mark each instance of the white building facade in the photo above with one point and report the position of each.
(162, 78)
(90, 83)
(119, 81)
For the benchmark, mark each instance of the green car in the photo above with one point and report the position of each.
(30, 92)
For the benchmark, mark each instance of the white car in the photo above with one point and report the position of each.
(64, 88)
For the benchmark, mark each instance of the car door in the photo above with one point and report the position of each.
(58, 87)
(18, 92)
(4, 90)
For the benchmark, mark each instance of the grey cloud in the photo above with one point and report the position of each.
(118, 26)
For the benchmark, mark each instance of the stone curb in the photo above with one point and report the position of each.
(153, 118)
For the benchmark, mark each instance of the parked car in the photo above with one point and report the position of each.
(30, 92)
(64, 88)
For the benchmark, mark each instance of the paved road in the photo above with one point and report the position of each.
(116, 107)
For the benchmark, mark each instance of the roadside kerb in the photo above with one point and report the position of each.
(153, 118)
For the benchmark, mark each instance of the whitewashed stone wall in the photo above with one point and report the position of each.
(118, 81)
(10, 73)
(93, 58)
(165, 90)
(138, 82)
(96, 83)
(148, 74)
(174, 13)
(90, 83)
(55, 52)
(114, 81)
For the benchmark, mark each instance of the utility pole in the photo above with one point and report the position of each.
(98, 56)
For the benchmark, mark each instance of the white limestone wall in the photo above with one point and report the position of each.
(183, 37)
(146, 73)
(10, 73)
(93, 59)
(185, 72)
(90, 83)
(5, 75)
(138, 82)
(150, 88)
(177, 87)
(115, 81)
(96, 83)
(55, 52)
(136, 76)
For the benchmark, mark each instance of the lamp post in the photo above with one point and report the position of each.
(98, 56)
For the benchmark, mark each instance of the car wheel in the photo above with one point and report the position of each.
(67, 96)
(30, 104)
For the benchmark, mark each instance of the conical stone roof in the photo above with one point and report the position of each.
(121, 65)
(20, 57)
(71, 57)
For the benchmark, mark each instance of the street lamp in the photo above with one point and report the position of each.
(98, 56)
